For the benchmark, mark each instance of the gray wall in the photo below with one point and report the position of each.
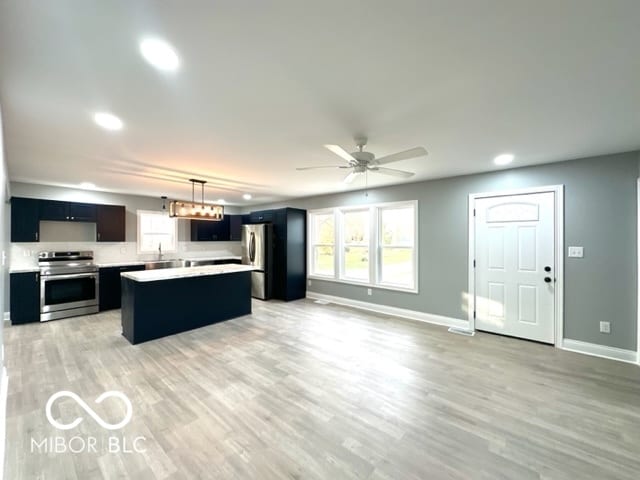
(4, 240)
(600, 215)
(131, 202)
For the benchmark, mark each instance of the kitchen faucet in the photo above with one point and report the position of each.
(160, 251)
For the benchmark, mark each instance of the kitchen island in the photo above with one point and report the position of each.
(157, 303)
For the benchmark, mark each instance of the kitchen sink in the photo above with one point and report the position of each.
(156, 264)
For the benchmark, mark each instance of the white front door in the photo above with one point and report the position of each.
(516, 265)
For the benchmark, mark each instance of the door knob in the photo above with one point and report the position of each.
(547, 268)
(547, 279)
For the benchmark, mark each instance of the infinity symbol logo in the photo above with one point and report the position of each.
(89, 410)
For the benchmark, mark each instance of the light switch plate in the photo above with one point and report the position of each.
(369, 291)
(576, 252)
(605, 327)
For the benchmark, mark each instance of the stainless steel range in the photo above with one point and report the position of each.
(68, 284)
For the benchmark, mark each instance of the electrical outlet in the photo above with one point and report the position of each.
(123, 250)
(309, 283)
(576, 252)
(369, 292)
(605, 327)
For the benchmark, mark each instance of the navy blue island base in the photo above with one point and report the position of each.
(155, 309)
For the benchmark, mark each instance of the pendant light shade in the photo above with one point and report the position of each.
(194, 210)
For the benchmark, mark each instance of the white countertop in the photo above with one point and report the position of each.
(142, 262)
(120, 264)
(184, 272)
(24, 270)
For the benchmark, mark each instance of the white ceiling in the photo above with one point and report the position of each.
(264, 84)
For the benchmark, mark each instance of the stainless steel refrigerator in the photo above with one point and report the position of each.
(257, 251)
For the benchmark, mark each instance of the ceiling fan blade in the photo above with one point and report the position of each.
(405, 155)
(341, 152)
(351, 177)
(393, 172)
(322, 166)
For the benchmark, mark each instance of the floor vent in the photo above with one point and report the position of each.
(322, 302)
(462, 331)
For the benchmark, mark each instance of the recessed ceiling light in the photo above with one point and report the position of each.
(159, 54)
(504, 159)
(221, 201)
(247, 196)
(108, 121)
(87, 185)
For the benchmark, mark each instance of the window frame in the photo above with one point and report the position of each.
(374, 245)
(313, 245)
(139, 233)
(413, 247)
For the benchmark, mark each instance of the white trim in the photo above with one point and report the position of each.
(4, 389)
(393, 311)
(558, 190)
(638, 271)
(602, 351)
(139, 242)
(355, 283)
(7, 316)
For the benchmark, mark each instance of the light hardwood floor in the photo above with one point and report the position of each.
(306, 391)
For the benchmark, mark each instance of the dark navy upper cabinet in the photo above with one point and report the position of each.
(25, 223)
(110, 223)
(210, 231)
(26, 214)
(55, 210)
(262, 216)
(82, 212)
(24, 297)
(235, 228)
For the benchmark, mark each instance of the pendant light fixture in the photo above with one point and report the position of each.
(194, 210)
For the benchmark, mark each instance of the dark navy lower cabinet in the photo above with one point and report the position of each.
(109, 285)
(24, 297)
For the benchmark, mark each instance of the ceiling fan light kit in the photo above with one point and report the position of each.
(362, 162)
(194, 210)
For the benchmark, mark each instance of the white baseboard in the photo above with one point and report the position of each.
(4, 388)
(393, 311)
(602, 351)
(7, 316)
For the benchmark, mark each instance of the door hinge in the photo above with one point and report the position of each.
(474, 314)
(474, 212)
(474, 264)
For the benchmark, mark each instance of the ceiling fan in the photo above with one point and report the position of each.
(361, 162)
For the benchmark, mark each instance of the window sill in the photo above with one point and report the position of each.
(364, 284)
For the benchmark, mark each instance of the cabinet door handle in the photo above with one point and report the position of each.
(98, 235)
(37, 277)
(36, 236)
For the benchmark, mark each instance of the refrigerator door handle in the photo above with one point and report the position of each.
(252, 247)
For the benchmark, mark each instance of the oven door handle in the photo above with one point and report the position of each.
(69, 276)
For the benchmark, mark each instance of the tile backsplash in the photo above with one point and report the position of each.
(25, 255)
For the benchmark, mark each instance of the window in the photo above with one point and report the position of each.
(355, 258)
(155, 230)
(323, 244)
(373, 245)
(397, 236)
